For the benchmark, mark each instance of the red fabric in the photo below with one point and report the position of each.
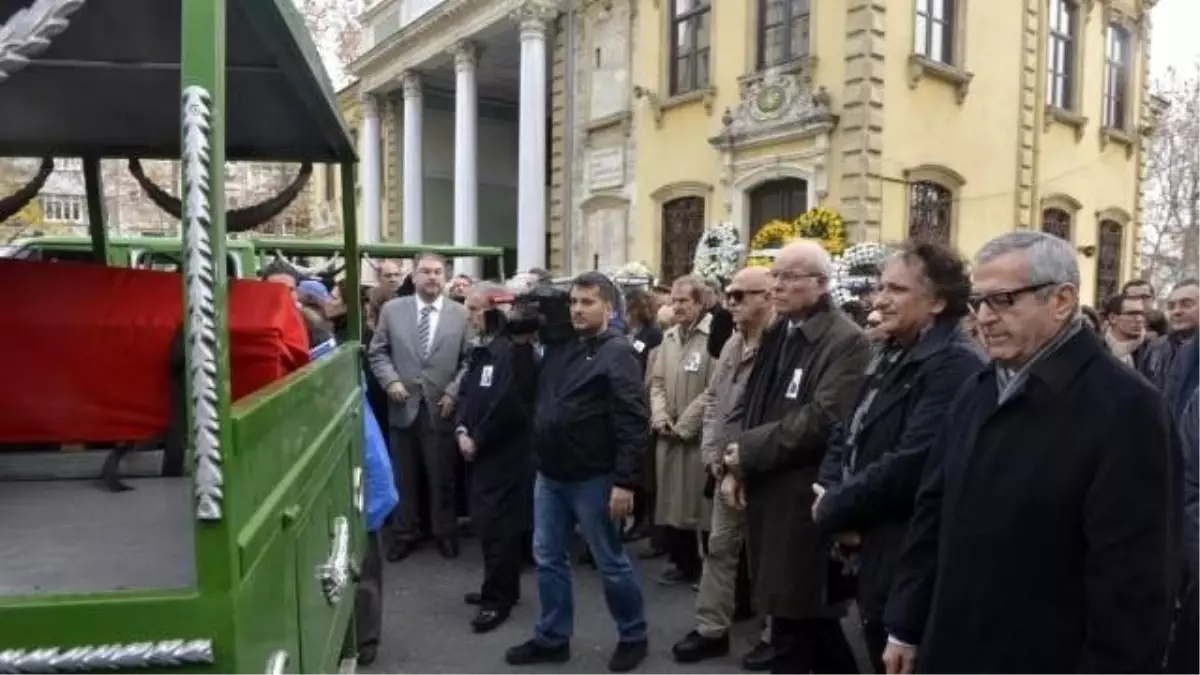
(86, 349)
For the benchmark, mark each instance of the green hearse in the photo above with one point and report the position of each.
(157, 253)
(246, 563)
(333, 252)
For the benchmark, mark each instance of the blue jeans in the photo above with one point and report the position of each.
(557, 507)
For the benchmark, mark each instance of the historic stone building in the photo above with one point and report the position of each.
(953, 120)
(589, 133)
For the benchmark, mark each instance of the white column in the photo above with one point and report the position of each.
(412, 168)
(370, 171)
(531, 173)
(466, 155)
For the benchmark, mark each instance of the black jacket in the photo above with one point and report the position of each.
(495, 408)
(874, 495)
(1045, 532)
(644, 341)
(591, 417)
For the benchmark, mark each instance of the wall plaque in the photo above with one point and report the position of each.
(606, 168)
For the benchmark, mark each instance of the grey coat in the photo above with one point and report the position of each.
(394, 356)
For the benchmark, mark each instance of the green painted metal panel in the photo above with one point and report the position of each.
(267, 610)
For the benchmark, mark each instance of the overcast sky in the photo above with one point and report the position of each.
(1175, 40)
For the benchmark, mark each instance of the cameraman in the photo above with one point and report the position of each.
(498, 393)
(589, 434)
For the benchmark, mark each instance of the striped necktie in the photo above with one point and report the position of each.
(423, 330)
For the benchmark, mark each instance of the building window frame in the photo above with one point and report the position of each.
(943, 178)
(1063, 49)
(1111, 219)
(794, 12)
(693, 24)
(935, 30)
(64, 208)
(1065, 204)
(1119, 45)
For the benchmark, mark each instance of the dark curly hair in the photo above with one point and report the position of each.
(946, 272)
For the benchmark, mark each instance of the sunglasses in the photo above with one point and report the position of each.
(739, 295)
(1001, 300)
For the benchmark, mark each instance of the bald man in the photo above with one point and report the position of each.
(391, 275)
(806, 377)
(749, 302)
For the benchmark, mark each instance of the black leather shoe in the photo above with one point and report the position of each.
(399, 550)
(758, 660)
(695, 647)
(533, 652)
(473, 598)
(627, 656)
(488, 619)
(448, 548)
(367, 654)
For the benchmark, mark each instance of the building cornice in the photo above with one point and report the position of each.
(434, 32)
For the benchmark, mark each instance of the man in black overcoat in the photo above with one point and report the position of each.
(804, 379)
(1045, 532)
(497, 396)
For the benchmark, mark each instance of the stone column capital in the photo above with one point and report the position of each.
(411, 81)
(534, 17)
(466, 54)
(370, 104)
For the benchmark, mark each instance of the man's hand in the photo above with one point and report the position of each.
(733, 492)
(665, 428)
(899, 659)
(732, 460)
(820, 493)
(466, 447)
(397, 392)
(620, 504)
(446, 406)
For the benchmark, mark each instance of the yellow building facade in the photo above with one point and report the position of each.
(954, 120)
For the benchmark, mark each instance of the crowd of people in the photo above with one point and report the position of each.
(1001, 479)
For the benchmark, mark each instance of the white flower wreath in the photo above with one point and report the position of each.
(857, 270)
(633, 274)
(718, 253)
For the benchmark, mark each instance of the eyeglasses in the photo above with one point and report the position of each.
(1001, 300)
(739, 295)
(786, 275)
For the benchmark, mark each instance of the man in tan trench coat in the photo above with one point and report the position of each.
(677, 383)
(805, 380)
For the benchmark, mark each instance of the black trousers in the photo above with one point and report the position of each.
(810, 646)
(368, 597)
(683, 550)
(502, 559)
(1184, 655)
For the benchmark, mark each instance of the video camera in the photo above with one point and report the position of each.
(546, 310)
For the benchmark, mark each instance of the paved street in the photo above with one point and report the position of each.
(426, 629)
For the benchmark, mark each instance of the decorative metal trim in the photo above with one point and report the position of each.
(200, 281)
(28, 32)
(359, 490)
(95, 658)
(335, 573)
(277, 664)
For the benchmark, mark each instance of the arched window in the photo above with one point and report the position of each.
(1057, 222)
(930, 212)
(779, 199)
(1108, 259)
(682, 226)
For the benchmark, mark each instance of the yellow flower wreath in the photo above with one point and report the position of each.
(821, 224)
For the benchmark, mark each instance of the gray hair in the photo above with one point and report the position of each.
(522, 282)
(1048, 259)
(486, 289)
(814, 255)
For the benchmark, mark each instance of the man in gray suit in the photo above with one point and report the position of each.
(418, 352)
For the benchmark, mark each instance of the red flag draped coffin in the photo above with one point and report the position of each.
(85, 349)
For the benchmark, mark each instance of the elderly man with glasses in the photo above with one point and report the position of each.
(1045, 532)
